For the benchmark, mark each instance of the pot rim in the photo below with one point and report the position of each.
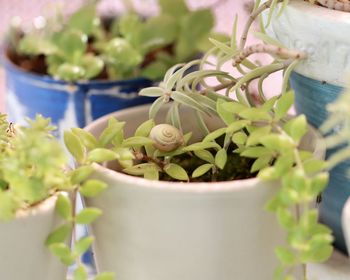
(196, 187)
(320, 11)
(43, 207)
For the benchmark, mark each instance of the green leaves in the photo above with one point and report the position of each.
(80, 273)
(63, 252)
(121, 56)
(74, 146)
(60, 234)
(201, 170)
(137, 141)
(194, 28)
(92, 188)
(215, 134)
(35, 45)
(86, 138)
(277, 142)
(85, 19)
(221, 158)
(284, 104)
(173, 8)
(8, 206)
(81, 174)
(88, 215)
(81, 246)
(205, 155)
(285, 256)
(145, 128)
(101, 155)
(105, 276)
(73, 44)
(176, 171)
(110, 132)
(157, 32)
(64, 207)
(296, 128)
(201, 146)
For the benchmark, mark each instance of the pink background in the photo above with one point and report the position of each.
(225, 11)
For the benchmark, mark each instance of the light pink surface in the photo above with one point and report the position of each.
(225, 11)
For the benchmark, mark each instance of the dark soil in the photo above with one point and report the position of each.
(236, 168)
(37, 64)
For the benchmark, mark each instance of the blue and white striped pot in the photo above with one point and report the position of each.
(323, 34)
(67, 104)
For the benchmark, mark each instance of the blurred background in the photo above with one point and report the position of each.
(27, 11)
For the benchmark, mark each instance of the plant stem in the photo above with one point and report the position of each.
(251, 19)
(270, 49)
(142, 157)
(74, 210)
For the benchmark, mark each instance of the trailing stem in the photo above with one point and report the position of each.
(251, 19)
(272, 50)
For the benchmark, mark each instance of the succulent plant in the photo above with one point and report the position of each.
(257, 134)
(82, 47)
(32, 166)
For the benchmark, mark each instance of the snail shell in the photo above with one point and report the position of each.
(166, 137)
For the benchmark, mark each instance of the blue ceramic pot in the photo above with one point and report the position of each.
(68, 104)
(311, 99)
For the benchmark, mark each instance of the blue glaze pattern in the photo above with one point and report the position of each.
(311, 99)
(68, 105)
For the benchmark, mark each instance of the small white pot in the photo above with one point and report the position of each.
(23, 254)
(320, 32)
(156, 230)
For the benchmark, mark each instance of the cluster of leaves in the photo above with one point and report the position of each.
(82, 47)
(31, 164)
(58, 240)
(256, 130)
(257, 127)
(66, 208)
(262, 134)
(33, 168)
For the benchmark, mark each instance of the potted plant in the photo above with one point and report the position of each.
(37, 206)
(318, 29)
(209, 166)
(79, 68)
(31, 181)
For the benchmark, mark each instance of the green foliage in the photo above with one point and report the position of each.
(257, 131)
(82, 48)
(33, 169)
(32, 166)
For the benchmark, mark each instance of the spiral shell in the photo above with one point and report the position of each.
(166, 137)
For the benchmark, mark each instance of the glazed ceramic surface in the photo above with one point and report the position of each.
(320, 32)
(23, 254)
(67, 104)
(188, 231)
(346, 223)
(318, 81)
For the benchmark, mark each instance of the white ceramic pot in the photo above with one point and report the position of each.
(152, 230)
(322, 34)
(23, 254)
